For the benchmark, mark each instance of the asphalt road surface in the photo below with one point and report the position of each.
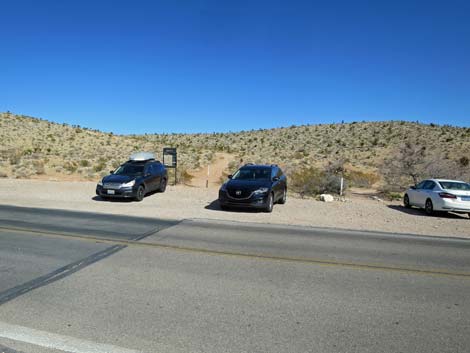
(82, 282)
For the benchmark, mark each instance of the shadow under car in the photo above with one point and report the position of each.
(420, 212)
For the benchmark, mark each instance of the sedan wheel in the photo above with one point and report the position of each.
(429, 207)
(140, 193)
(406, 201)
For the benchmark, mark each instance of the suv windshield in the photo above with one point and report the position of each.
(130, 169)
(452, 185)
(253, 174)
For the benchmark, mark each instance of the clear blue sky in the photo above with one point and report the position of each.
(203, 66)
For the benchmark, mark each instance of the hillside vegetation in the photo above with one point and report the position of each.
(32, 146)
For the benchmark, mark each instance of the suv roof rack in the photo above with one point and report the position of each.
(264, 165)
(141, 156)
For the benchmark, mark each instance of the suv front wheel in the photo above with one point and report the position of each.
(139, 195)
(162, 185)
(269, 203)
(283, 199)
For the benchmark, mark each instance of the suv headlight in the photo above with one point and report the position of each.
(260, 191)
(129, 184)
(100, 183)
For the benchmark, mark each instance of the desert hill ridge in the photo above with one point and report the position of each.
(31, 146)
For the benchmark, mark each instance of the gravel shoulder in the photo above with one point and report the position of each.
(184, 202)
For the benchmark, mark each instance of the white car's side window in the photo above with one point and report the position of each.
(420, 185)
(429, 185)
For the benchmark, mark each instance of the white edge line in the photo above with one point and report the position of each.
(56, 341)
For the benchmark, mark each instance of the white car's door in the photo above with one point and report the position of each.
(415, 195)
(428, 192)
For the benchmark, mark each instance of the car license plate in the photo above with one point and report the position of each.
(465, 198)
(110, 192)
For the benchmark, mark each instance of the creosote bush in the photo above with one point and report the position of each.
(99, 167)
(39, 167)
(311, 181)
(362, 179)
(183, 176)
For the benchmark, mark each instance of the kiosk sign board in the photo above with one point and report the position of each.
(170, 158)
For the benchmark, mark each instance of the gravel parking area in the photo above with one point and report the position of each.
(183, 202)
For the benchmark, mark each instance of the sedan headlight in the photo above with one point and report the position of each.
(260, 191)
(100, 183)
(129, 184)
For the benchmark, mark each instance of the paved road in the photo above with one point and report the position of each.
(80, 282)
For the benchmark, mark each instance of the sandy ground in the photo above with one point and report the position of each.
(183, 202)
(211, 175)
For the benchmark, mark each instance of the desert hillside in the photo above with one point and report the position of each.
(32, 147)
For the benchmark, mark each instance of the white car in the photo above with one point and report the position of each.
(439, 195)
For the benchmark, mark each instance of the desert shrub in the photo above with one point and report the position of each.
(85, 171)
(223, 178)
(233, 165)
(22, 172)
(84, 163)
(15, 158)
(361, 179)
(38, 166)
(3, 174)
(464, 161)
(406, 164)
(207, 157)
(99, 167)
(392, 196)
(70, 167)
(183, 176)
(310, 181)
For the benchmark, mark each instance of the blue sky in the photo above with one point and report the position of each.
(204, 66)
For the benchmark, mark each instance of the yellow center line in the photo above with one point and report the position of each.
(269, 257)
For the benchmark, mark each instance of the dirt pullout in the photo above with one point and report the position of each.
(183, 202)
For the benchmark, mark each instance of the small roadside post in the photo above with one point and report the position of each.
(208, 174)
(171, 159)
(341, 186)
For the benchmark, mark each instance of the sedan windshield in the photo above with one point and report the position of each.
(453, 185)
(130, 169)
(253, 174)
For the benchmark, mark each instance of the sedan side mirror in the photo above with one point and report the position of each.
(230, 176)
(111, 172)
(413, 187)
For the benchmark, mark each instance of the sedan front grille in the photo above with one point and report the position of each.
(112, 185)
